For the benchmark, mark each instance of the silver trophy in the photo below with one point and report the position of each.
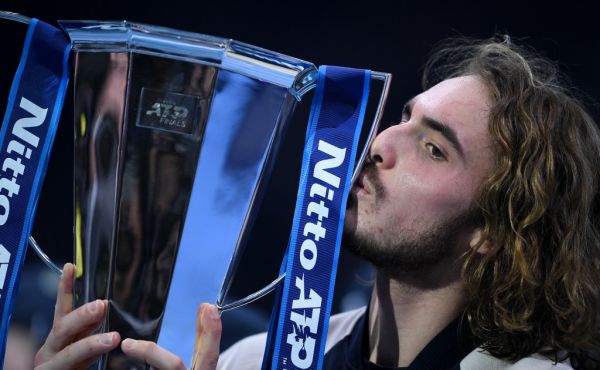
(175, 134)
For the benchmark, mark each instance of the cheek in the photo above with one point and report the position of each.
(415, 201)
(455, 194)
(406, 200)
(412, 192)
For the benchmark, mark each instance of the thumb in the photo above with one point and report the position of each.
(208, 338)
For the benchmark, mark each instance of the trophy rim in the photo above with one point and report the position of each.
(297, 75)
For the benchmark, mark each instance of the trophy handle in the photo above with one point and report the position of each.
(380, 76)
(387, 80)
(14, 17)
(252, 297)
(43, 256)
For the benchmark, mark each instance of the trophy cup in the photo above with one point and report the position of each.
(175, 134)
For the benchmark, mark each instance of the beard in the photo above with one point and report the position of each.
(408, 251)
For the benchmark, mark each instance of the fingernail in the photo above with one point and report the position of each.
(94, 306)
(66, 268)
(213, 312)
(128, 343)
(107, 338)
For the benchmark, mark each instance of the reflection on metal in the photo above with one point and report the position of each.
(226, 54)
(43, 256)
(169, 166)
(252, 297)
(100, 85)
(78, 244)
(14, 17)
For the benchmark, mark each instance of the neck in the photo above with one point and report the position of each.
(407, 311)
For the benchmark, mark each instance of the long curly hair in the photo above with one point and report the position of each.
(538, 287)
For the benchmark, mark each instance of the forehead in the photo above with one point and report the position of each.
(461, 103)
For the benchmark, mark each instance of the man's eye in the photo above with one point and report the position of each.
(435, 152)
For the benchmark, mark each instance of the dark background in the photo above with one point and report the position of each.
(393, 36)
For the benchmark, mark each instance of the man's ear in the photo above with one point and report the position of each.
(483, 247)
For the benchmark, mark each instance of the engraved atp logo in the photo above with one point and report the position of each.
(18, 150)
(306, 309)
(168, 113)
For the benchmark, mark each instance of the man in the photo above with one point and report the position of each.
(480, 211)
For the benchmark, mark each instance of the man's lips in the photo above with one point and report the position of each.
(361, 184)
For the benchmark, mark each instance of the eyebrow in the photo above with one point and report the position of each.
(445, 130)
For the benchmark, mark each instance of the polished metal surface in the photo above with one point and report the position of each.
(14, 17)
(43, 256)
(242, 129)
(170, 156)
(265, 65)
(100, 102)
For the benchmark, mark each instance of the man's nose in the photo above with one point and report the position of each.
(383, 153)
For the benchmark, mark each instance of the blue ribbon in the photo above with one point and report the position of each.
(298, 329)
(30, 122)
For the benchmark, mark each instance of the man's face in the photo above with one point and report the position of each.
(414, 204)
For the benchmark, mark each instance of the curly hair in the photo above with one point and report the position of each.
(538, 288)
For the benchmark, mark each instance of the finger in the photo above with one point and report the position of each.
(87, 364)
(208, 337)
(89, 330)
(76, 324)
(64, 295)
(152, 354)
(82, 352)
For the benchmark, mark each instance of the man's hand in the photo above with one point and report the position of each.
(69, 344)
(208, 338)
